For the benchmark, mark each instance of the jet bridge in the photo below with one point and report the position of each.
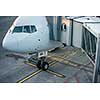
(67, 29)
(83, 32)
(79, 31)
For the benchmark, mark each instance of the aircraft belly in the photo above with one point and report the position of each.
(45, 46)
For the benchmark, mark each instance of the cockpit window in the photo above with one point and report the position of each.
(33, 29)
(17, 29)
(25, 29)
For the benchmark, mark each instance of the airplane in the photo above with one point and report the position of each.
(30, 34)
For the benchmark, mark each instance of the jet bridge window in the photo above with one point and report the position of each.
(63, 27)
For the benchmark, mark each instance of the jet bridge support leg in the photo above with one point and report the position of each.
(97, 62)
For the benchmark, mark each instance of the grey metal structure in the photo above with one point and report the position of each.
(77, 28)
(67, 29)
(97, 63)
(83, 32)
(80, 31)
(91, 31)
(54, 23)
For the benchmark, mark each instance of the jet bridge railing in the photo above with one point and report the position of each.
(91, 45)
(89, 42)
(97, 62)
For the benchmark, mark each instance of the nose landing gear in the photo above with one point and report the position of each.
(40, 60)
(41, 64)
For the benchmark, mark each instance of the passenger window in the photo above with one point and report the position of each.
(33, 29)
(26, 29)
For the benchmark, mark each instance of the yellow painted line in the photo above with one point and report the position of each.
(38, 71)
(56, 59)
(29, 76)
(26, 62)
(55, 73)
(65, 61)
(52, 63)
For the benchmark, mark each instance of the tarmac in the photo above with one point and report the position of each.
(67, 64)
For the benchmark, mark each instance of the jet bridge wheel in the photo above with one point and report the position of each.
(45, 66)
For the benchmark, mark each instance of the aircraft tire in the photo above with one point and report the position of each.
(45, 66)
(39, 64)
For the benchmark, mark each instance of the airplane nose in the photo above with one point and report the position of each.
(9, 44)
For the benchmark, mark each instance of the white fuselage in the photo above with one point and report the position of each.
(26, 40)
